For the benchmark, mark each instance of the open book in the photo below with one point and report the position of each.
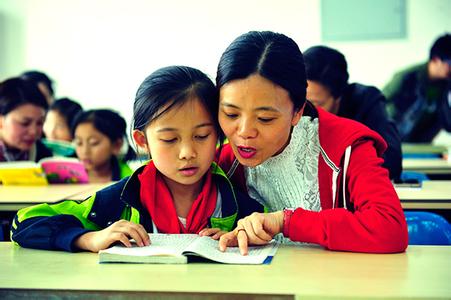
(47, 170)
(181, 248)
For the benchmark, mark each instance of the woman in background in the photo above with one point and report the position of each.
(22, 114)
(43, 82)
(99, 136)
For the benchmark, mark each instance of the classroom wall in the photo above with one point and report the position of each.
(99, 51)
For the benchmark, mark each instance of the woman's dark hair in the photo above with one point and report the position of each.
(108, 122)
(15, 92)
(67, 108)
(271, 55)
(328, 67)
(170, 87)
(36, 77)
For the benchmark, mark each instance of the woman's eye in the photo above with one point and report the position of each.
(202, 137)
(265, 120)
(168, 141)
(230, 115)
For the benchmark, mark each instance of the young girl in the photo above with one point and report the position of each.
(61, 114)
(22, 113)
(180, 190)
(98, 137)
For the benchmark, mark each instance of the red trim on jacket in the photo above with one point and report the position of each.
(377, 223)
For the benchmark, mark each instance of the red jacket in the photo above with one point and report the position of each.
(371, 219)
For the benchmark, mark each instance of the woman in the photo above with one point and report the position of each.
(22, 113)
(319, 176)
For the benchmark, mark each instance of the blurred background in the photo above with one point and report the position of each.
(99, 51)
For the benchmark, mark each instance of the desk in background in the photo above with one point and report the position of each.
(428, 166)
(296, 271)
(411, 150)
(433, 194)
(434, 168)
(13, 198)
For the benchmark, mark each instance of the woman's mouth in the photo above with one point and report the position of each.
(246, 152)
(29, 142)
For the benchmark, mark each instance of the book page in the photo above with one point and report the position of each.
(18, 164)
(176, 242)
(208, 248)
(161, 244)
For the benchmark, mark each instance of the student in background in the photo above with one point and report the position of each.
(43, 82)
(22, 114)
(61, 114)
(180, 190)
(99, 135)
(328, 88)
(320, 176)
(419, 98)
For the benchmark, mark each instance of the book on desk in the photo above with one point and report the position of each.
(409, 184)
(47, 170)
(184, 248)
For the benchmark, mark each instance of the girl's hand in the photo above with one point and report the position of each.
(214, 233)
(256, 229)
(120, 231)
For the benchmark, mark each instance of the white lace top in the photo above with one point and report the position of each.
(289, 179)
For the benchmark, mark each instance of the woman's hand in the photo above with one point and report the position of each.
(214, 233)
(120, 231)
(256, 229)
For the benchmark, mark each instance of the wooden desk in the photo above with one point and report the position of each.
(423, 149)
(13, 198)
(428, 166)
(307, 272)
(433, 194)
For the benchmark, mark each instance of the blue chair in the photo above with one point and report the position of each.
(427, 228)
(407, 176)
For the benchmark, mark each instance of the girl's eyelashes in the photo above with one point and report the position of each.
(90, 143)
(197, 137)
(168, 141)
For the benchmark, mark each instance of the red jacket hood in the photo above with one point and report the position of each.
(336, 134)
